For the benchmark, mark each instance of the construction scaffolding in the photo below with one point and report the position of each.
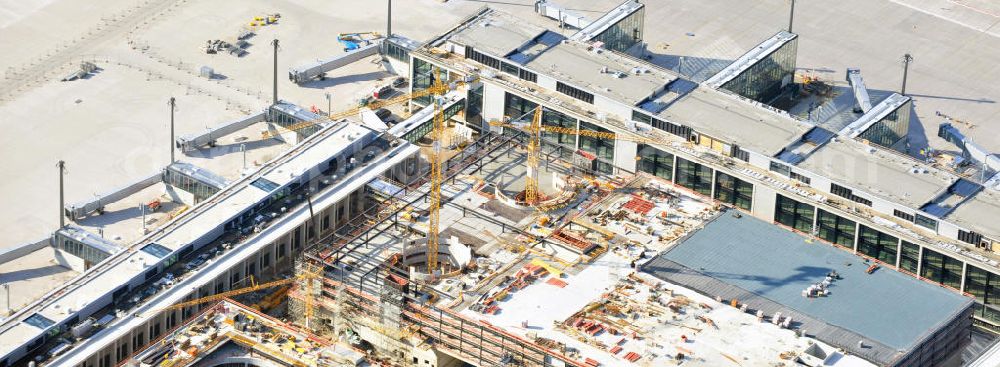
(362, 292)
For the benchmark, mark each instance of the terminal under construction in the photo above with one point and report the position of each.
(530, 188)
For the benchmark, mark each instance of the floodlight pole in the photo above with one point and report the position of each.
(62, 197)
(173, 106)
(388, 25)
(791, 16)
(275, 86)
(907, 59)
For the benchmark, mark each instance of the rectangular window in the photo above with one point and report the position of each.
(555, 118)
(731, 190)
(694, 176)
(909, 257)
(800, 178)
(782, 169)
(970, 237)
(517, 108)
(985, 287)
(509, 69)
(794, 214)
(841, 191)
(656, 162)
(941, 269)
(471, 53)
(527, 75)
(848, 194)
(878, 245)
(281, 251)
(926, 222)
(744, 155)
(835, 229)
(641, 117)
(574, 92)
(604, 149)
(904, 215)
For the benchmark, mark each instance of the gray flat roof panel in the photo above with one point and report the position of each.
(889, 307)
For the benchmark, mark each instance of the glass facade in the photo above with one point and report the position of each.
(909, 257)
(474, 108)
(679, 130)
(835, 229)
(517, 108)
(423, 77)
(574, 92)
(878, 245)
(656, 162)
(89, 254)
(731, 190)
(391, 49)
(604, 149)
(624, 34)
(891, 129)
(471, 53)
(200, 190)
(281, 118)
(764, 80)
(794, 214)
(694, 176)
(940, 268)
(553, 118)
(985, 286)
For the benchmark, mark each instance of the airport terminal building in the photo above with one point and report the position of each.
(719, 139)
(847, 188)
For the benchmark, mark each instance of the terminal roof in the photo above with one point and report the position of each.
(732, 120)
(879, 171)
(979, 213)
(497, 33)
(197, 224)
(602, 72)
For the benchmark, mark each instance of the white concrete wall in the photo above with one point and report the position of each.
(608, 106)
(625, 153)
(397, 67)
(947, 229)
(546, 82)
(179, 196)
(764, 199)
(69, 260)
(759, 160)
(493, 97)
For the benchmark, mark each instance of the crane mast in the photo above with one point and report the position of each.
(434, 216)
(534, 149)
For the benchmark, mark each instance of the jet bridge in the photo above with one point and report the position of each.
(861, 97)
(972, 151)
(565, 17)
(307, 72)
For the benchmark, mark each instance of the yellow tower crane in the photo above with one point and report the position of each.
(235, 292)
(434, 212)
(437, 88)
(534, 130)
